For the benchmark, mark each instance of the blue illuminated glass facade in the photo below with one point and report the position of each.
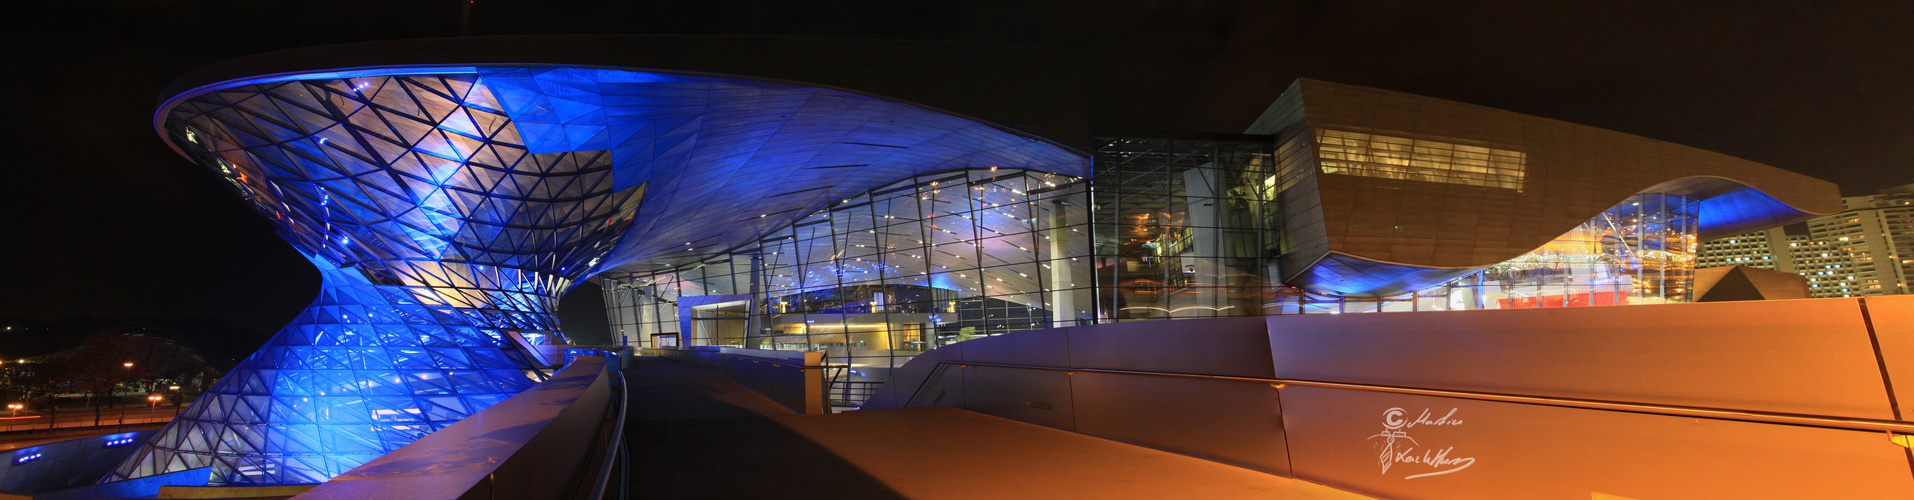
(365, 369)
(448, 209)
(441, 233)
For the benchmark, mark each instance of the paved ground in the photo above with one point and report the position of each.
(696, 434)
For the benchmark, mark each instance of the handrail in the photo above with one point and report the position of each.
(935, 373)
(828, 384)
(810, 396)
(1844, 423)
(615, 451)
(783, 364)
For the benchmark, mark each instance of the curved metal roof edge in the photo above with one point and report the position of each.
(621, 52)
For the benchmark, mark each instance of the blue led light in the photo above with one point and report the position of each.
(21, 459)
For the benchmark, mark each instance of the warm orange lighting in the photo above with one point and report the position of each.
(128, 364)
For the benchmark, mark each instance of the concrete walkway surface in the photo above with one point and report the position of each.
(695, 434)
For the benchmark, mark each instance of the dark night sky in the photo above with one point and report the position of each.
(100, 218)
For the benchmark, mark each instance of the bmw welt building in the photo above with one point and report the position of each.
(942, 224)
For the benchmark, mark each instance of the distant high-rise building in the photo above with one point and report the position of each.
(1867, 249)
(1756, 249)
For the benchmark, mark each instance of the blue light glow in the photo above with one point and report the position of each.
(477, 197)
(365, 370)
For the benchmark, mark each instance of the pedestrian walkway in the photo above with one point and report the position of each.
(695, 434)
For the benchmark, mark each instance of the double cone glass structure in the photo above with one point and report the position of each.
(448, 208)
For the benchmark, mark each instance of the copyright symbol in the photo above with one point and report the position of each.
(1392, 418)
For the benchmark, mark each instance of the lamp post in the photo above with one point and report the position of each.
(153, 400)
(111, 392)
(16, 408)
(175, 390)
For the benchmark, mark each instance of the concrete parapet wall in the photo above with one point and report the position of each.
(533, 445)
(1225, 412)
(1799, 356)
(1770, 399)
(793, 379)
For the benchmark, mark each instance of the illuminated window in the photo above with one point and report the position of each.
(1371, 155)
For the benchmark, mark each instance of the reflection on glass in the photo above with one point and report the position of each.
(1639, 252)
(877, 278)
(1164, 229)
(1375, 155)
(1180, 226)
(1642, 251)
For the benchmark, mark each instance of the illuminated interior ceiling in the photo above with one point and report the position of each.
(1384, 192)
(982, 224)
(1385, 157)
(451, 206)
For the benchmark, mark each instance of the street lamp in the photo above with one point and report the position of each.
(113, 392)
(16, 408)
(154, 401)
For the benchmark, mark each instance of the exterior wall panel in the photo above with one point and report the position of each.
(1570, 173)
(1507, 450)
(1800, 356)
(1234, 423)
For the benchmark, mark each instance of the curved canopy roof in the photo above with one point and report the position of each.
(1386, 192)
(455, 162)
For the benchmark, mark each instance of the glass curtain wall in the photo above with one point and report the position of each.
(882, 276)
(1184, 228)
(1641, 251)
(1164, 229)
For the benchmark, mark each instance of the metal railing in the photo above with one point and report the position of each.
(824, 394)
(617, 458)
(850, 393)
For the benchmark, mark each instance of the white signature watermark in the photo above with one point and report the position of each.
(1398, 448)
